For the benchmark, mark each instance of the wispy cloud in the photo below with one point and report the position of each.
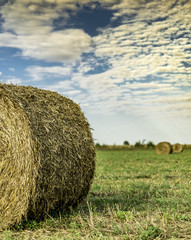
(137, 67)
(11, 69)
(12, 80)
(62, 46)
(38, 73)
(28, 26)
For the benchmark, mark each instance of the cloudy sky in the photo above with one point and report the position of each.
(126, 62)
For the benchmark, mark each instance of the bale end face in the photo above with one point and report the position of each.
(163, 148)
(177, 148)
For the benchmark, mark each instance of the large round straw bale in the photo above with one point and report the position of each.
(163, 148)
(177, 148)
(47, 154)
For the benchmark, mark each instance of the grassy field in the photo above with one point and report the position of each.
(136, 194)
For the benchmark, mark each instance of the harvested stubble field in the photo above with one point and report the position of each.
(136, 194)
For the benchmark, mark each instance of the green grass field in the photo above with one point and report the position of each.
(136, 194)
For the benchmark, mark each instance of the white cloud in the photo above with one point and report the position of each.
(136, 50)
(38, 73)
(144, 46)
(28, 25)
(12, 80)
(11, 69)
(33, 33)
(60, 86)
(62, 46)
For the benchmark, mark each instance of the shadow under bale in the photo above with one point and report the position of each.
(47, 154)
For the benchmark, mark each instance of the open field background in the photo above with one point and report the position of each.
(136, 194)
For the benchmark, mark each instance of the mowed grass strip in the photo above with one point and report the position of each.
(136, 194)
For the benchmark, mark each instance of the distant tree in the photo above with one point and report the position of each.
(140, 144)
(97, 145)
(126, 143)
(150, 144)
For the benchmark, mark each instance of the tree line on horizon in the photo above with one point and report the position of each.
(138, 144)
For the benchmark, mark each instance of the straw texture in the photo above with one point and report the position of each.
(163, 148)
(47, 153)
(177, 148)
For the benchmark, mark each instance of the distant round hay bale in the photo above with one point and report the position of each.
(177, 148)
(47, 153)
(163, 148)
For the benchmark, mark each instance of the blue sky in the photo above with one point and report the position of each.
(127, 63)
